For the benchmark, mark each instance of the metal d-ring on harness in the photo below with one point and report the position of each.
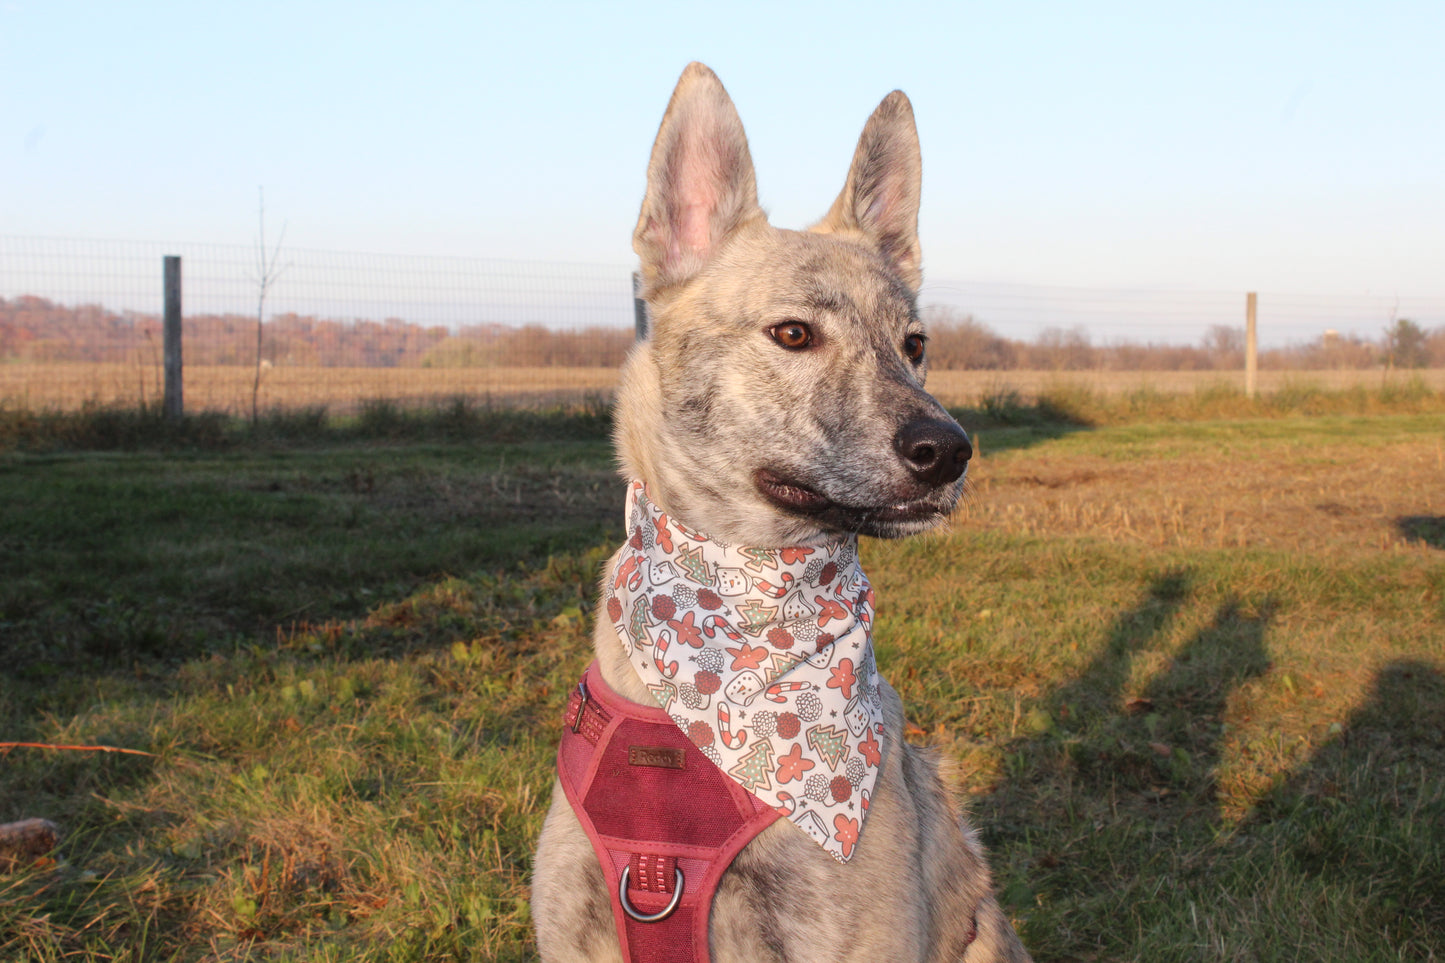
(667, 911)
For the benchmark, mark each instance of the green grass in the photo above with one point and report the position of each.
(158, 555)
(348, 656)
(1069, 404)
(1174, 755)
(460, 419)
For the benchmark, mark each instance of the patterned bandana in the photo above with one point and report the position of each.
(764, 658)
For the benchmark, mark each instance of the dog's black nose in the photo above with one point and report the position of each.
(936, 451)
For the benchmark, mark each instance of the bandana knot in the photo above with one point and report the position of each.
(764, 659)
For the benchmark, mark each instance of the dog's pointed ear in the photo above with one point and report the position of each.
(880, 198)
(700, 181)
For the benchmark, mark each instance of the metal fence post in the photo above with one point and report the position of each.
(639, 306)
(173, 406)
(1251, 347)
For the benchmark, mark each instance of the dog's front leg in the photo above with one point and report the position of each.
(570, 905)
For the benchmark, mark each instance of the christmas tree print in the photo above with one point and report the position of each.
(830, 743)
(690, 559)
(759, 558)
(783, 661)
(758, 616)
(664, 692)
(638, 627)
(752, 769)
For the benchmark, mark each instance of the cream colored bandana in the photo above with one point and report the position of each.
(764, 658)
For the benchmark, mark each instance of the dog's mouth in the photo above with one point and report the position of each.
(889, 519)
(789, 494)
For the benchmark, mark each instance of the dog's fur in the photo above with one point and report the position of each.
(737, 436)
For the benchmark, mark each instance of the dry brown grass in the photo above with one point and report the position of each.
(227, 388)
(1224, 487)
(967, 387)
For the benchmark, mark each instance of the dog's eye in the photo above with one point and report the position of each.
(793, 335)
(913, 347)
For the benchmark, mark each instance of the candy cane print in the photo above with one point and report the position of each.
(664, 642)
(715, 623)
(775, 591)
(725, 729)
(789, 804)
(776, 690)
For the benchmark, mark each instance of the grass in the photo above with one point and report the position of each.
(344, 392)
(228, 388)
(1063, 400)
(1050, 407)
(454, 419)
(1140, 390)
(1193, 676)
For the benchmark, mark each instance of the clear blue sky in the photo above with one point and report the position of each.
(1296, 147)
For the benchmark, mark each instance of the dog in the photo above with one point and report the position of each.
(775, 411)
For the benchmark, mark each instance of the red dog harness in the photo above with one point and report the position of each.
(664, 821)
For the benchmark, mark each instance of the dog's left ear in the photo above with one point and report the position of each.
(880, 198)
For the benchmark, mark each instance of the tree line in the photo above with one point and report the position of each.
(34, 329)
(38, 330)
(959, 341)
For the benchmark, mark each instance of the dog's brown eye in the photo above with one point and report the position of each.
(913, 347)
(793, 335)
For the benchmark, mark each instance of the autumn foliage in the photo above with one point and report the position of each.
(37, 330)
(34, 329)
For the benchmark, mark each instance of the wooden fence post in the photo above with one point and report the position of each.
(1251, 347)
(173, 406)
(639, 306)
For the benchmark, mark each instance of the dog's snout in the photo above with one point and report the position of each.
(936, 451)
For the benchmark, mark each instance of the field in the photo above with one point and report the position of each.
(1192, 673)
(227, 388)
(67, 387)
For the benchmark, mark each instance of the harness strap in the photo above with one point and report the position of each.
(664, 821)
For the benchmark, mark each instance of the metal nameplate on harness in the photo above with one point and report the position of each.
(658, 757)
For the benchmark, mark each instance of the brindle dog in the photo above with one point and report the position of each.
(779, 401)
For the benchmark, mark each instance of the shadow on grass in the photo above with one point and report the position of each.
(1427, 529)
(1366, 813)
(1111, 807)
(118, 570)
(1160, 745)
(1010, 422)
(1110, 769)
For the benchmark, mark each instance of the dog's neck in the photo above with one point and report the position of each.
(763, 656)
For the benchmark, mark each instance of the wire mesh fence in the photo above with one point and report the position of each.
(81, 322)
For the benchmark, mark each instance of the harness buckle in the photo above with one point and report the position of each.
(581, 705)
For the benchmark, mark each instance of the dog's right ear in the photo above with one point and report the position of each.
(700, 182)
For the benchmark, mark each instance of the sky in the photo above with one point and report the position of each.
(1296, 148)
